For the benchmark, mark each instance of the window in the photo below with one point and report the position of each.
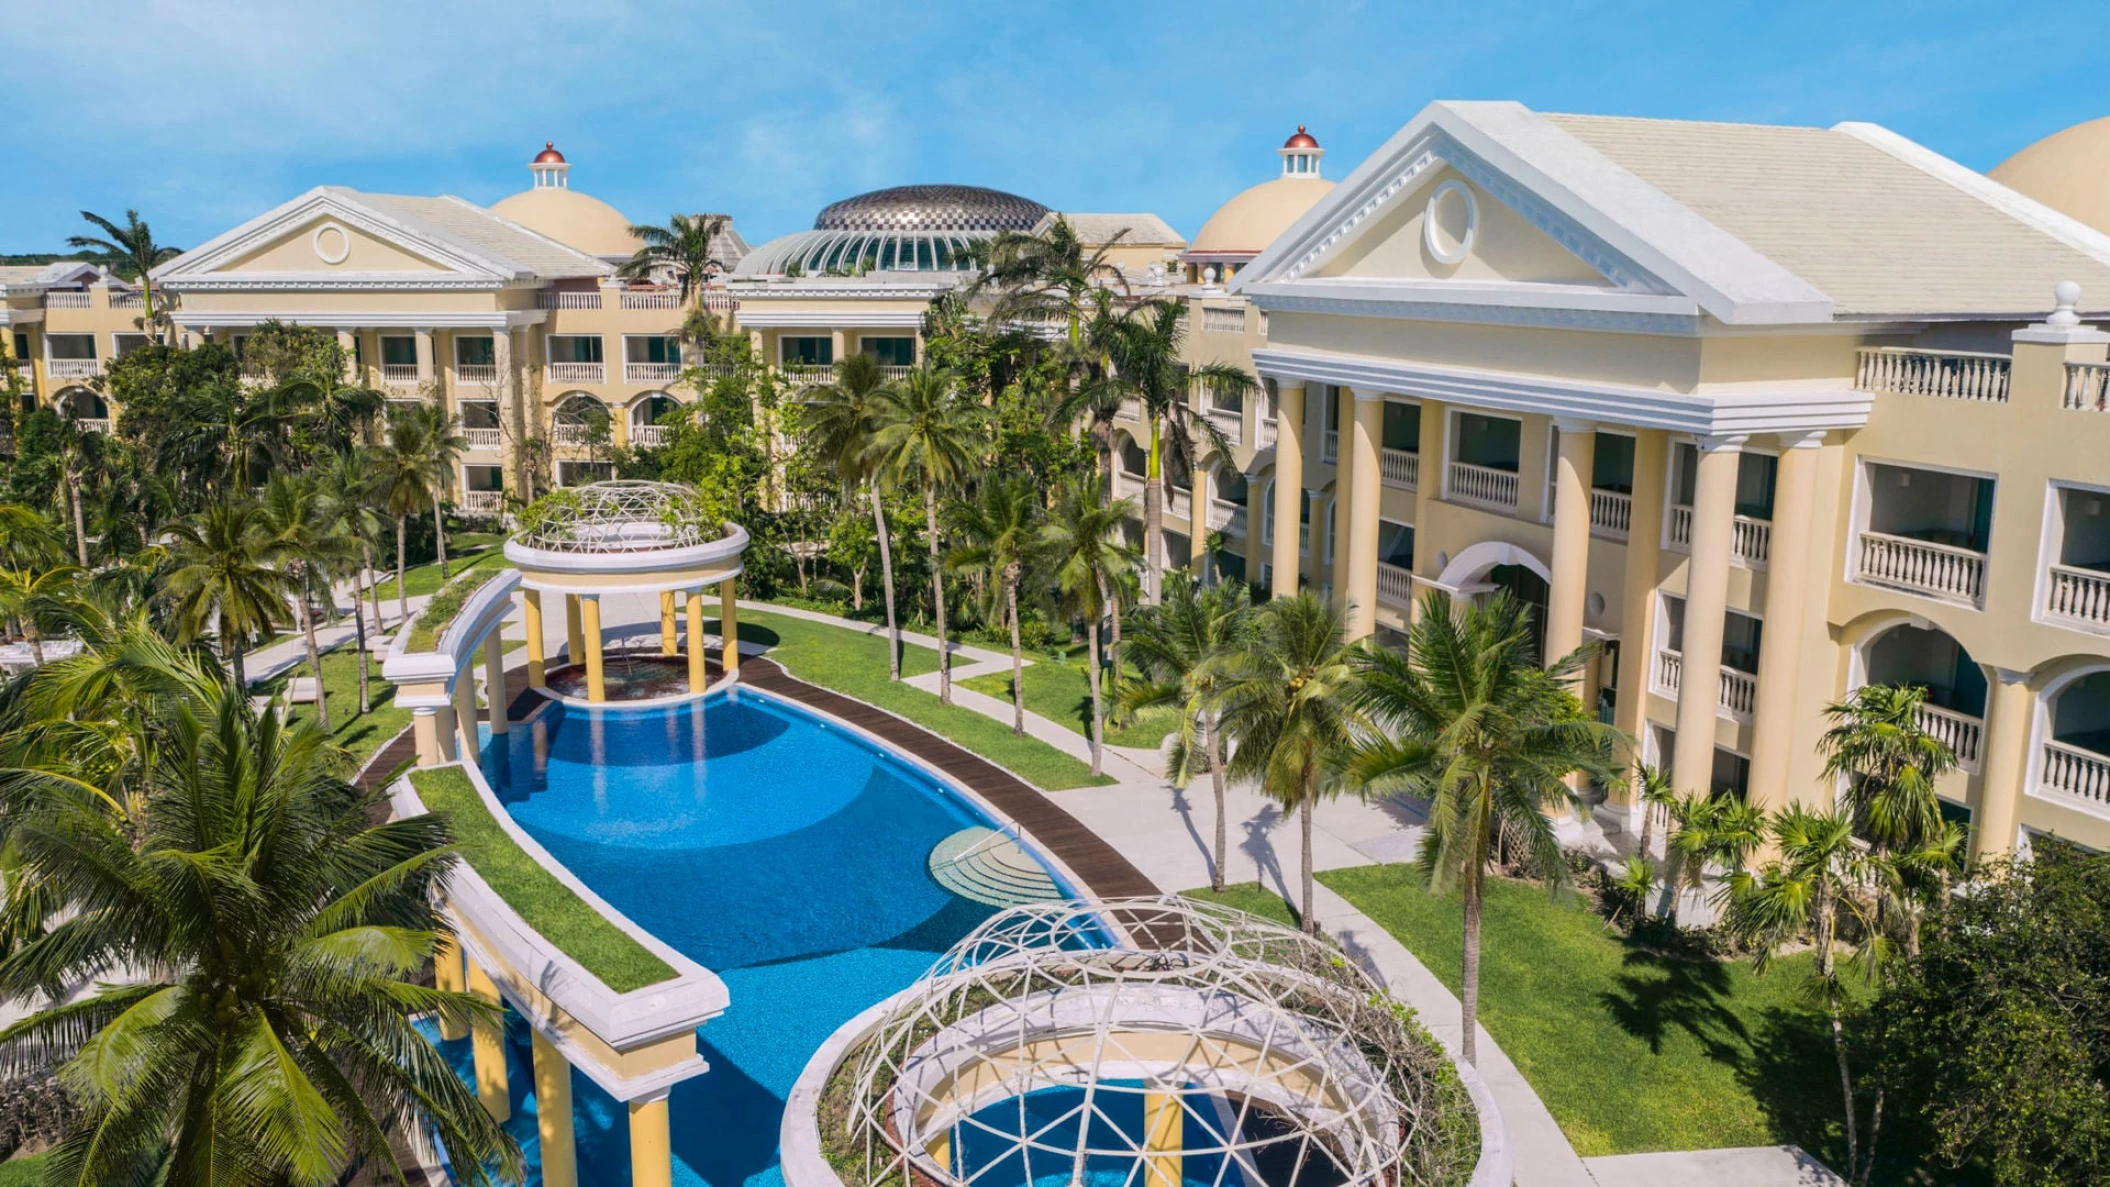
(70, 346)
(127, 343)
(889, 352)
(399, 351)
(651, 348)
(1612, 463)
(1395, 544)
(1731, 774)
(1931, 505)
(21, 344)
(1740, 635)
(475, 352)
(1402, 426)
(1491, 442)
(807, 352)
(1755, 473)
(572, 348)
(358, 350)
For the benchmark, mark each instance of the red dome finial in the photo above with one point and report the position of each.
(1301, 140)
(550, 156)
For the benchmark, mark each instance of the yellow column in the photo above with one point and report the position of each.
(1163, 1139)
(729, 624)
(560, 1160)
(443, 726)
(1365, 488)
(574, 632)
(1788, 582)
(425, 727)
(495, 681)
(651, 1144)
(447, 978)
(1289, 486)
(590, 622)
(531, 617)
(1571, 537)
(471, 749)
(490, 1050)
(698, 679)
(1637, 612)
(2007, 761)
(1706, 602)
(667, 644)
(1428, 486)
(1344, 475)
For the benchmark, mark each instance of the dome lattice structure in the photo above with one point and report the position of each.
(931, 208)
(1146, 1043)
(622, 515)
(910, 228)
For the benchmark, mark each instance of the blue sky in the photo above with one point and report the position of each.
(203, 113)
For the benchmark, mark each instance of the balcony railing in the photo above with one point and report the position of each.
(1131, 410)
(1738, 693)
(651, 372)
(1482, 486)
(484, 438)
(483, 502)
(1951, 374)
(92, 424)
(1230, 422)
(895, 371)
(1963, 734)
(1226, 517)
(1612, 513)
(73, 368)
(572, 435)
(2088, 387)
(1395, 586)
(128, 300)
(1178, 503)
(1919, 566)
(2079, 776)
(577, 372)
(648, 299)
(1330, 445)
(399, 373)
(484, 373)
(552, 299)
(1750, 540)
(2078, 595)
(806, 374)
(1402, 468)
(65, 300)
(1265, 433)
(648, 436)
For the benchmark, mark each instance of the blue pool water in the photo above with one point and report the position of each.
(782, 852)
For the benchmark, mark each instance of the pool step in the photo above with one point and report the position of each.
(985, 865)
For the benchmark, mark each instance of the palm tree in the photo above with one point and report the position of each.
(309, 540)
(402, 474)
(1889, 763)
(439, 448)
(839, 418)
(683, 249)
(135, 251)
(348, 484)
(338, 414)
(1655, 796)
(1048, 275)
(924, 429)
(1002, 540)
(270, 939)
(1179, 647)
(29, 592)
(223, 574)
(1469, 721)
(1285, 696)
(1719, 830)
(1090, 560)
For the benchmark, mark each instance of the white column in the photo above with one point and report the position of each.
(1789, 582)
(1706, 603)
(1571, 536)
(1994, 824)
(1361, 493)
(347, 343)
(1289, 485)
(422, 336)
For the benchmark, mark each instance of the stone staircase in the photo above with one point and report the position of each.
(985, 865)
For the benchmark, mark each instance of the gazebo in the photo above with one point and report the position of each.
(626, 536)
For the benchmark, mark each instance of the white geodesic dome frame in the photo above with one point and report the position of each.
(1269, 1043)
(621, 515)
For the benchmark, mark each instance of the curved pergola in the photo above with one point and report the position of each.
(626, 536)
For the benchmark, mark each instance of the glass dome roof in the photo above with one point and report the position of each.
(910, 228)
(931, 208)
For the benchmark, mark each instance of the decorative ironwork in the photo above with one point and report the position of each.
(621, 515)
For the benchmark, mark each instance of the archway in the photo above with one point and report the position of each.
(1919, 654)
(2073, 764)
(83, 406)
(646, 413)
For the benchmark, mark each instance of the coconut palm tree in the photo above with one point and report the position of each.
(1091, 561)
(133, 248)
(266, 940)
(1468, 720)
(925, 430)
(683, 250)
(223, 574)
(309, 541)
(29, 592)
(402, 474)
(1287, 704)
(1001, 539)
(839, 419)
(438, 444)
(1178, 645)
(1048, 275)
(337, 415)
(348, 485)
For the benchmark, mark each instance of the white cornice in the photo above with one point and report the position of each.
(1699, 414)
(335, 282)
(1511, 303)
(377, 319)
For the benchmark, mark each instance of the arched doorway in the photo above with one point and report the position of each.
(1532, 590)
(85, 408)
(646, 412)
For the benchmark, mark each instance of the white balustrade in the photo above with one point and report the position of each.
(1401, 468)
(802, 375)
(1131, 409)
(1228, 421)
(571, 434)
(1178, 503)
(2077, 775)
(1670, 669)
(648, 436)
(649, 299)
(1395, 585)
(1951, 374)
(399, 373)
(1922, 567)
(651, 372)
(1226, 517)
(1482, 486)
(484, 373)
(2088, 387)
(484, 438)
(483, 502)
(1963, 734)
(895, 372)
(1611, 513)
(1266, 432)
(2078, 595)
(577, 372)
(63, 299)
(552, 299)
(128, 300)
(92, 424)
(73, 368)
(1737, 693)
(1330, 445)
(1750, 538)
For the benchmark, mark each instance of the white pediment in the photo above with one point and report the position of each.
(327, 238)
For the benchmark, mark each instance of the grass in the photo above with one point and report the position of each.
(1252, 898)
(1632, 1049)
(22, 1172)
(855, 665)
(1062, 692)
(360, 733)
(547, 904)
(425, 579)
(440, 612)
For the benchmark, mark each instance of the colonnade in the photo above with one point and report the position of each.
(584, 644)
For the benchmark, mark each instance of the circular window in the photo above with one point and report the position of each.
(1450, 222)
(332, 244)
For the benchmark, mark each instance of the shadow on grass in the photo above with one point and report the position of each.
(1660, 992)
(1793, 1076)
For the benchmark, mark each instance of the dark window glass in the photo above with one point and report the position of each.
(809, 351)
(1612, 463)
(890, 352)
(475, 352)
(1402, 426)
(399, 352)
(1489, 441)
(1754, 484)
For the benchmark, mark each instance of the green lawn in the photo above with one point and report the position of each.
(1062, 692)
(1631, 1049)
(547, 904)
(22, 1172)
(1252, 898)
(855, 665)
(425, 579)
(360, 733)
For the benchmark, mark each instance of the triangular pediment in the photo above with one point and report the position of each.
(1453, 229)
(329, 243)
(328, 236)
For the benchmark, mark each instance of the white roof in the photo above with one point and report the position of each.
(1144, 230)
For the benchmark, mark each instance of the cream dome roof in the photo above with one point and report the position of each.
(1253, 218)
(571, 218)
(2068, 171)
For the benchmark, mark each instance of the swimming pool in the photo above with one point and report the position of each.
(782, 851)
